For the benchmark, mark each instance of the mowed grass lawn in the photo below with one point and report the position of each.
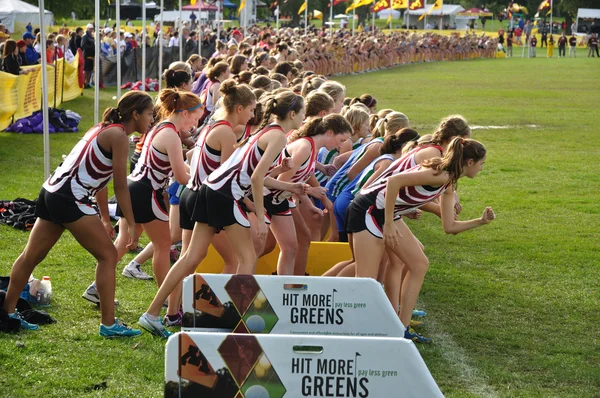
(512, 306)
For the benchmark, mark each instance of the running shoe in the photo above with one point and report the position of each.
(118, 329)
(134, 271)
(419, 313)
(410, 334)
(414, 324)
(154, 327)
(91, 295)
(173, 320)
(24, 324)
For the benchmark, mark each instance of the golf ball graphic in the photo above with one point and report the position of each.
(257, 392)
(255, 324)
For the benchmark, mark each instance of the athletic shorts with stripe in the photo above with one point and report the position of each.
(57, 209)
(147, 204)
(280, 209)
(363, 216)
(209, 207)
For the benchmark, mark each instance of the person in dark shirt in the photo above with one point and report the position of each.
(75, 42)
(89, 51)
(544, 39)
(573, 46)
(593, 44)
(10, 59)
(562, 45)
(532, 46)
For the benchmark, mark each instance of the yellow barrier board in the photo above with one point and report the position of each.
(321, 257)
(21, 95)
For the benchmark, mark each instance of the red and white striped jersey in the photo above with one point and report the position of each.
(205, 159)
(408, 161)
(153, 165)
(86, 170)
(409, 198)
(302, 174)
(232, 178)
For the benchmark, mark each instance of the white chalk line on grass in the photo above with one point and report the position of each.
(459, 360)
(529, 126)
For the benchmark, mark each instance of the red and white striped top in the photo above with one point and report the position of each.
(153, 165)
(232, 178)
(86, 170)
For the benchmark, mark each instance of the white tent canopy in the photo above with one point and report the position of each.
(385, 14)
(588, 13)
(18, 12)
(447, 9)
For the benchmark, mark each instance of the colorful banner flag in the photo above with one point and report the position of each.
(193, 2)
(302, 8)
(336, 2)
(389, 20)
(399, 4)
(242, 5)
(543, 5)
(416, 5)
(436, 6)
(381, 5)
(358, 3)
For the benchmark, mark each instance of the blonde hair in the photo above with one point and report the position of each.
(356, 117)
(334, 89)
(393, 122)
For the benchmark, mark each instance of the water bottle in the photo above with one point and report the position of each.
(44, 293)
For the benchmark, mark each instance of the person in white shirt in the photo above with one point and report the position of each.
(174, 42)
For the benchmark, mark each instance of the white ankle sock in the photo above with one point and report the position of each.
(133, 264)
(152, 317)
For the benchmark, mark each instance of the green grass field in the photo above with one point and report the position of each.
(513, 306)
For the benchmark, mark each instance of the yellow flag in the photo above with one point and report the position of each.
(358, 3)
(242, 5)
(302, 8)
(436, 6)
(193, 2)
(399, 4)
(389, 20)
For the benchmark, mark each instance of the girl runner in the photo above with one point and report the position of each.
(287, 223)
(375, 217)
(217, 204)
(64, 203)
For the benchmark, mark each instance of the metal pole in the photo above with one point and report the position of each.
(180, 32)
(330, 18)
(160, 46)
(372, 21)
(353, 19)
(551, 12)
(277, 19)
(218, 20)
(45, 120)
(97, 71)
(118, 16)
(144, 45)
(199, 28)
(306, 19)
(391, 16)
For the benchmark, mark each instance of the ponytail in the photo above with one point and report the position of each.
(321, 125)
(111, 116)
(131, 101)
(459, 152)
(172, 101)
(395, 142)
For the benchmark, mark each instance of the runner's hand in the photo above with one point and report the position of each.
(109, 229)
(391, 235)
